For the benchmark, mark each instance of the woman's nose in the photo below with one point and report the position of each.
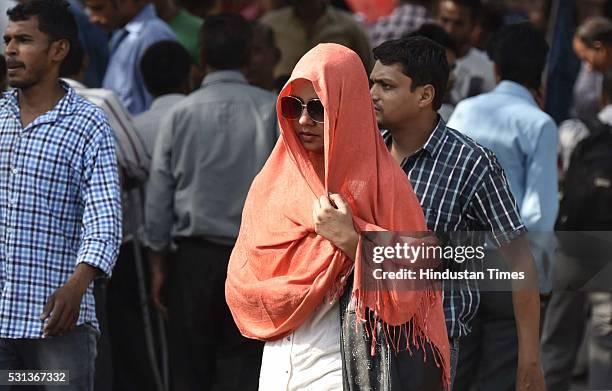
(305, 119)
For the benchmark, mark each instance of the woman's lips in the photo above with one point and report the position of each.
(308, 137)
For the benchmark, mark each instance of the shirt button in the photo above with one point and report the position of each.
(289, 339)
(14, 171)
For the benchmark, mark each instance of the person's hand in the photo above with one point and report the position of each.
(158, 280)
(335, 223)
(529, 375)
(61, 311)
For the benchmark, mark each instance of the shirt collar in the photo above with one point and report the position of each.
(136, 24)
(433, 143)
(65, 106)
(224, 77)
(165, 100)
(512, 88)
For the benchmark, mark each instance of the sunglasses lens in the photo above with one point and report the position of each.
(291, 108)
(315, 110)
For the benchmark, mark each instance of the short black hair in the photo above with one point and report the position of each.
(422, 60)
(74, 62)
(595, 29)
(226, 41)
(519, 50)
(475, 7)
(165, 67)
(54, 19)
(266, 32)
(437, 34)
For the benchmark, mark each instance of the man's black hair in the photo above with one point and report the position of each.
(475, 7)
(165, 67)
(54, 19)
(266, 32)
(519, 50)
(226, 41)
(437, 34)
(422, 60)
(595, 29)
(74, 62)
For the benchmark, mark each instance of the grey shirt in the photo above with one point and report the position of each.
(207, 153)
(147, 123)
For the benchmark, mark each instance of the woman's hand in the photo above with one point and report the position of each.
(335, 223)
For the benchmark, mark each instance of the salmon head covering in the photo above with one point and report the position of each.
(280, 270)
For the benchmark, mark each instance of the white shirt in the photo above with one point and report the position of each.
(474, 75)
(309, 358)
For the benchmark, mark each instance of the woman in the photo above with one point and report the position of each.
(329, 178)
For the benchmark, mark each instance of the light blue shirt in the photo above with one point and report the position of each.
(509, 122)
(128, 44)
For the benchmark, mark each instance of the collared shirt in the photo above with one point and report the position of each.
(473, 75)
(461, 187)
(405, 19)
(128, 44)
(208, 150)
(60, 206)
(334, 26)
(508, 121)
(147, 123)
(132, 155)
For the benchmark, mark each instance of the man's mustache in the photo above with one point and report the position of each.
(11, 63)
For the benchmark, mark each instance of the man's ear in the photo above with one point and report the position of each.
(428, 93)
(59, 50)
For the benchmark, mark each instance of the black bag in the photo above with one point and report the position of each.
(587, 197)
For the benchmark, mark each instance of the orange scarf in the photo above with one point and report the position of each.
(280, 270)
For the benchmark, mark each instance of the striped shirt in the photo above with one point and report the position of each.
(59, 207)
(461, 187)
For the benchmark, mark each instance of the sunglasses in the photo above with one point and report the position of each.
(292, 107)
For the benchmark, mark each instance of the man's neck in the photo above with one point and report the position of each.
(38, 99)
(411, 137)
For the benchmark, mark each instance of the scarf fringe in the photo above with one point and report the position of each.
(414, 328)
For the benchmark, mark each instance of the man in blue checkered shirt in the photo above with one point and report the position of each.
(459, 183)
(60, 213)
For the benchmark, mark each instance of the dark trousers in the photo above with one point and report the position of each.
(74, 351)
(132, 368)
(207, 352)
(488, 356)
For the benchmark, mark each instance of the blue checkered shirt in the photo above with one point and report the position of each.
(59, 206)
(461, 187)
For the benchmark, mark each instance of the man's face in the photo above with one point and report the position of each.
(28, 52)
(394, 102)
(105, 13)
(264, 58)
(597, 57)
(456, 20)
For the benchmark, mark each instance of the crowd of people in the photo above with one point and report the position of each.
(184, 186)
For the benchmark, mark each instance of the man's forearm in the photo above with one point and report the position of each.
(525, 296)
